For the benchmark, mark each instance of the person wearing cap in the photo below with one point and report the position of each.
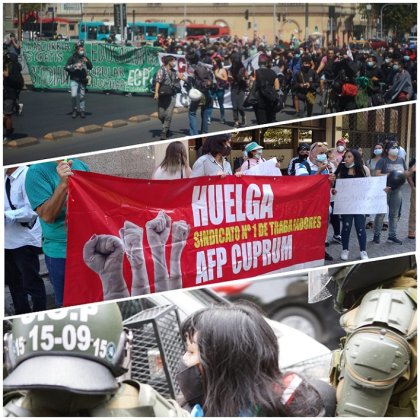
(166, 88)
(301, 160)
(77, 67)
(254, 151)
(70, 362)
(391, 165)
(340, 149)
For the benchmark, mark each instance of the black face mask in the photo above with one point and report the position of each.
(191, 384)
(305, 68)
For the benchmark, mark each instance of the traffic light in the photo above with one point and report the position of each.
(331, 11)
(278, 17)
(247, 14)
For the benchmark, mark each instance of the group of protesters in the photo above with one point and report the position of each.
(262, 77)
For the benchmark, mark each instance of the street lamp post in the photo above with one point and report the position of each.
(382, 9)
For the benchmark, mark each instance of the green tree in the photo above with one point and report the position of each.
(398, 18)
(27, 7)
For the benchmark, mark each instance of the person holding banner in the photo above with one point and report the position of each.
(46, 186)
(167, 81)
(352, 167)
(214, 162)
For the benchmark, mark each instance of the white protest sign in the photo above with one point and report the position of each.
(361, 196)
(267, 168)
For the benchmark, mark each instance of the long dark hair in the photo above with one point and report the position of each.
(175, 157)
(236, 66)
(342, 170)
(372, 156)
(239, 359)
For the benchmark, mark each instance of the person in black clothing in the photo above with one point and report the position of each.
(375, 75)
(12, 84)
(77, 67)
(238, 83)
(301, 158)
(306, 83)
(267, 86)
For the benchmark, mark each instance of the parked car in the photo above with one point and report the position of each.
(285, 299)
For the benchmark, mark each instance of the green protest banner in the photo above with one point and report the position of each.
(120, 68)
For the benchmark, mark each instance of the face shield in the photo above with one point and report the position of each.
(317, 285)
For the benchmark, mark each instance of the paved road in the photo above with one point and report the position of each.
(50, 111)
(374, 250)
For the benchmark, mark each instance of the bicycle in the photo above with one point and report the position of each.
(328, 98)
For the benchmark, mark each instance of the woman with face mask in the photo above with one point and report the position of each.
(396, 170)
(377, 153)
(254, 154)
(214, 161)
(352, 167)
(339, 150)
(230, 368)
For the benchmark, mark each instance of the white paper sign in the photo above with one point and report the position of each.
(268, 168)
(361, 196)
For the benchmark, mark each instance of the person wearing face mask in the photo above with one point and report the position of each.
(402, 87)
(339, 150)
(352, 167)
(391, 165)
(387, 70)
(299, 160)
(77, 68)
(214, 162)
(166, 88)
(377, 153)
(230, 369)
(254, 152)
(374, 73)
(305, 84)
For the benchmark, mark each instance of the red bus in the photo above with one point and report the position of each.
(198, 31)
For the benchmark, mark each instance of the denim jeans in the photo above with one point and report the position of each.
(56, 271)
(78, 89)
(359, 224)
(394, 198)
(219, 95)
(205, 113)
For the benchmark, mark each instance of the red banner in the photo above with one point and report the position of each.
(128, 237)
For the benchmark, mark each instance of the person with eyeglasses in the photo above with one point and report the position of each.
(396, 170)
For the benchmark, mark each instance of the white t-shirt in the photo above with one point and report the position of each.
(161, 173)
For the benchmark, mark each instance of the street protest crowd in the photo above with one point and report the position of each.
(36, 212)
(340, 79)
(239, 74)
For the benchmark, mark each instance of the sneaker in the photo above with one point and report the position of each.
(20, 109)
(209, 121)
(82, 114)
(74, 113)
(337, 238)
(236, 125)
(328, 257)
(344, 255)
(163, 135)
(376, 239)
(394, 240)
(363, 255)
